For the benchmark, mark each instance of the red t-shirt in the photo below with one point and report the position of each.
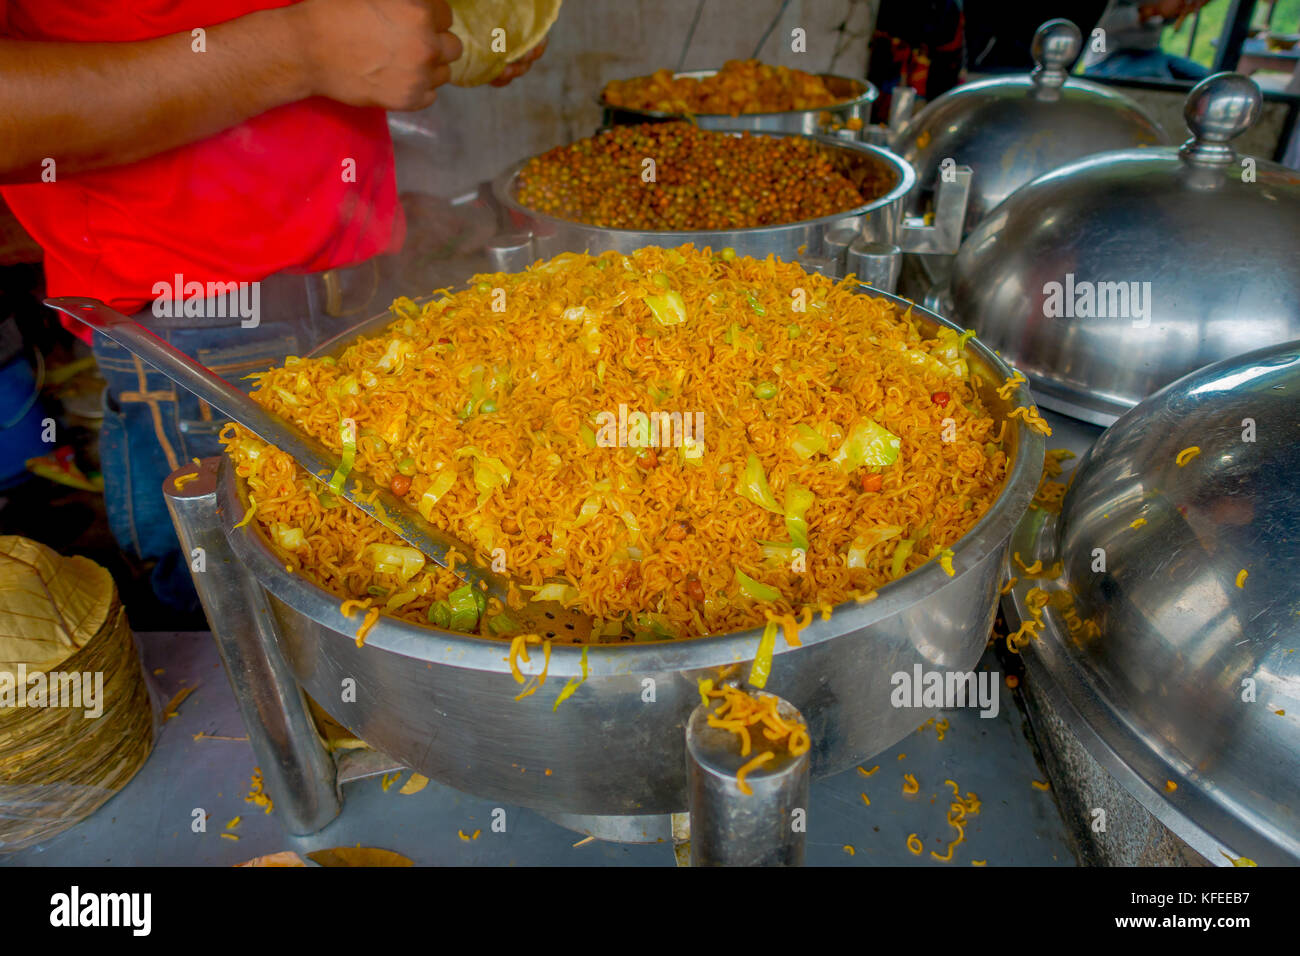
(262, 197)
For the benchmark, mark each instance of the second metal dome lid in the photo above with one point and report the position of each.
(1011, 130)
(1111, 277)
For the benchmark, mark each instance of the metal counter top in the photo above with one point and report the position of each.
(149, 823)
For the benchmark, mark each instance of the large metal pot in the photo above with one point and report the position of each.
(866, 241)
(1187, 256)
(444, 703)
(1188, 688)
(856, 99)
(1011, 130)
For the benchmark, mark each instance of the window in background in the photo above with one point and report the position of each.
(1197, 36)
(1273, 44)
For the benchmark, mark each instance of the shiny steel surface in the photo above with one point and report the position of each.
(1208, 240)
(765, 827)
(551, 235)
(951, 201)
(858, 97)
(294, 763)
(1193, 680)
(1011, 130)
(876, 263)
(385, 507)
(614, 828)
(444, 703)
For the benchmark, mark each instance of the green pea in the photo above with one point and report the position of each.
(765, 390)
(406, 466)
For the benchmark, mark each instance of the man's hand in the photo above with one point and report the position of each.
(521, 66)
(387, 53)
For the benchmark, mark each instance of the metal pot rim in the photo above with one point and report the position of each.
(868, 96)
(488, 654)
(502, 189)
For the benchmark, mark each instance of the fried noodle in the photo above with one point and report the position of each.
(487, 419)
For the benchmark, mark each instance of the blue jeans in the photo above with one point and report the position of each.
(1156, 64)
(153, 426)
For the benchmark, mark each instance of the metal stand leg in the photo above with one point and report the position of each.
(731, 828)
(298, 771)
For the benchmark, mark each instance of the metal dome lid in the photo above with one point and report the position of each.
(1012, 130)
(1110, 278)
(1172, 633)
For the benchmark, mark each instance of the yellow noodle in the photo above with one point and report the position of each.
(654, 528)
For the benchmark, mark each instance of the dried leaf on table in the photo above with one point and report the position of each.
(417, 783)
(283, 858)
(358, 856)
(51, 605)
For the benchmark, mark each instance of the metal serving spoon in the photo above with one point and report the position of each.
(546, 618)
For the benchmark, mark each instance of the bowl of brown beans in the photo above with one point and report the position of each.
(678, 178)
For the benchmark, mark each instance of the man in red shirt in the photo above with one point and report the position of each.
(221, 168)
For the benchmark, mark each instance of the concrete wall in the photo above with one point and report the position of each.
(473, 134)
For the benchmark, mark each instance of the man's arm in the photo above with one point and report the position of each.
(91, 105)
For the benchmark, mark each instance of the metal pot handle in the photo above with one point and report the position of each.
(943, 236)
(901, 106)
(511, 251)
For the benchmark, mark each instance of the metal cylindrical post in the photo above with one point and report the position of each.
(511, 252)
(875, 263)
(836, 242)
(730, 827)
(299, 772)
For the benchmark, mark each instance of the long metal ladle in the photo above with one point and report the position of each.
(547, 618)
